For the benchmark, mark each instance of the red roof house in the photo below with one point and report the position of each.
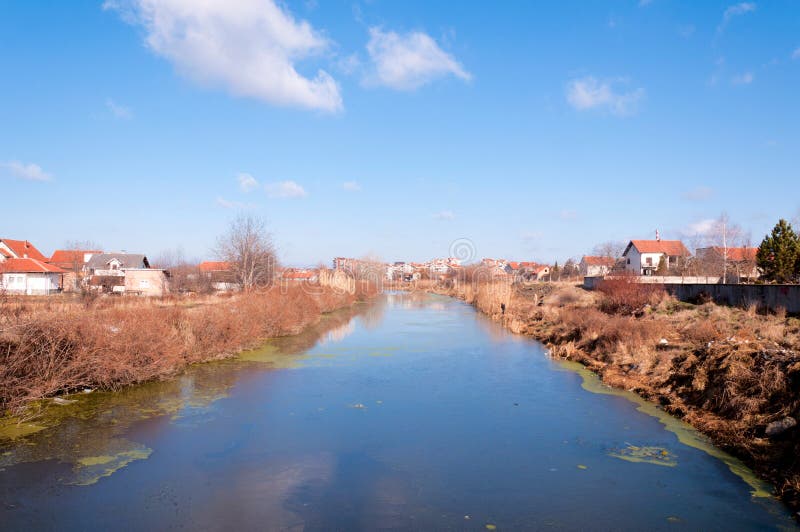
(20, 249)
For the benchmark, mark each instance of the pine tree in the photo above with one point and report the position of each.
(778, 255)
(662, 266)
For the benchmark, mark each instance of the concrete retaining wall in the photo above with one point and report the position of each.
(765, 296)
(770, 296)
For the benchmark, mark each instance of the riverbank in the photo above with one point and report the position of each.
(731, 373)
(57, 345)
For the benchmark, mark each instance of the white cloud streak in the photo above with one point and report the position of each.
(26, 172)
(796, 53)
(351, 186)
(228, 204)
(249, 47)
(701, 193)
(119, 111)
(745, 78)
(247, 182)
(407, 62)
(444, 216)
(735, 10)
(285, 190)
(590, 93)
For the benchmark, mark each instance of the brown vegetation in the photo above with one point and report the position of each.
(54, 345)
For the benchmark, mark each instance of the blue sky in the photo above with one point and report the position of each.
(533, 129)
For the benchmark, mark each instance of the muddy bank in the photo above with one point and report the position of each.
(50, 347)
(731, 373)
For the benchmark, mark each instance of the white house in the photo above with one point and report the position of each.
(29, 277)
(595, 266)
(642, 257)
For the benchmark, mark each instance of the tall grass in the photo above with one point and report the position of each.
(49, 346)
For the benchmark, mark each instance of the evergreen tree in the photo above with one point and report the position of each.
(778, 255)
(662, 266)
(554, 273)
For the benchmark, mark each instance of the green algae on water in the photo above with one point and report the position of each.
(685, 433)
(645, 455)
(89, 469)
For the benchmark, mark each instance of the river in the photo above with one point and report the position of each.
(411, 412)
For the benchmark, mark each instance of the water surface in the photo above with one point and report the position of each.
(412, 413)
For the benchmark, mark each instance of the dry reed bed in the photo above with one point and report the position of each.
(50, 346)
(729, 372)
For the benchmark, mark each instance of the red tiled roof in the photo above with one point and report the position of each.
(23, 248)
(297, 275)
(214, 266)
(671, 248)
(737, 254)
(514, 265)
(68, 257)
(28, 266)
(599, 261)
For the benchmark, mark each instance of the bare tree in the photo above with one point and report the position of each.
(721, 237)
(248, 248)
(612, 249)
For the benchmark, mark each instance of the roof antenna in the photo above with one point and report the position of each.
(658, 236)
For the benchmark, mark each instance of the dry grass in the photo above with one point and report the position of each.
(53, 345)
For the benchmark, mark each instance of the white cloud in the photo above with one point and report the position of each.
(701, 193)
(796, 53)
(643, 3)
(568, 214)
(247, 182)
(590, 93)
(745, 78)
(227, 204)
(351, 186)
(444, 216)
(407, 62)
(285, 190)
(27, 172)
(119, 111)
(248, 47)
(701, 227)
(735, 10)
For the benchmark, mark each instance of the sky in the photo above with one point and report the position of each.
(404, 130)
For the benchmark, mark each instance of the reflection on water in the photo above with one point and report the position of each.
(409, 413)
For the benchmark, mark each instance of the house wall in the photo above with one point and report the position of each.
(146, 282)
(31, 284)
(593, 270)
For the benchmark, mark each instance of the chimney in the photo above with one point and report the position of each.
(658, 236)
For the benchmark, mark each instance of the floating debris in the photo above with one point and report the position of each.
(645, 455)
(581, 466)
(358, 405)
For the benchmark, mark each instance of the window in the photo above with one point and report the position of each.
(649, 261)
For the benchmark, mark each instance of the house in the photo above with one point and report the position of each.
(126, 273)
(540, 273)
(19, 249)
(596, 266)
(219, 274)
(643, 257)
(300, 275)
(740, 262)
(26, 276)
(73, 262)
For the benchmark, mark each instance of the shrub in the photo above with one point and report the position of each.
(626, 295)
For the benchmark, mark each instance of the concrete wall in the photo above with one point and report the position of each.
(769, 296)
(765, 296)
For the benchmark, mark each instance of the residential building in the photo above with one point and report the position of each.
(19, 249)
(596, 266)
(643, 257)
(73, 262)
(32, 277)
(126, 273)
(739, 263)
(300, 275)
(219, 274)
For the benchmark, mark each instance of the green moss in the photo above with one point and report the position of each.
(12, 428)
(89, 469)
